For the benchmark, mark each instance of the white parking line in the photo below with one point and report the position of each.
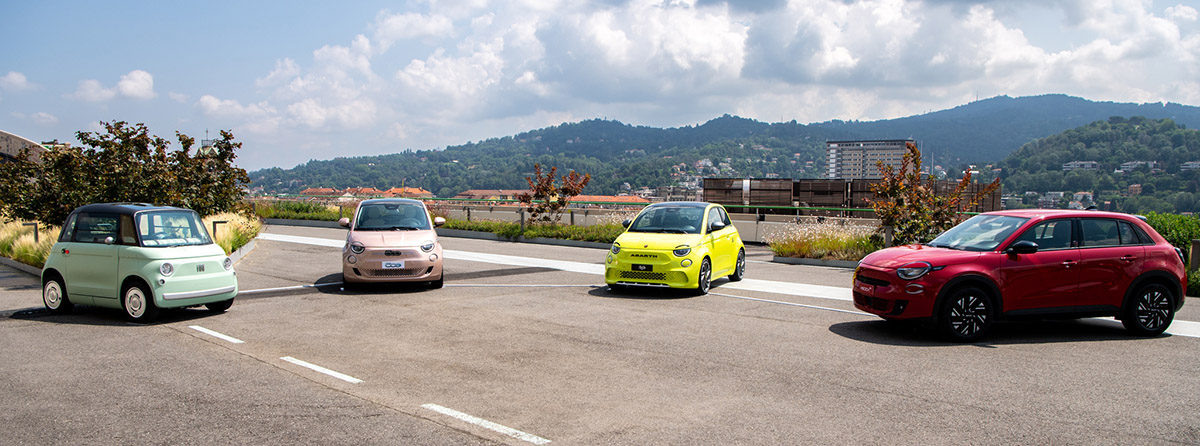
(285, 288)
(1181, 328)
(793, 304)
(317, 368)
(216, 335)
(486, 424)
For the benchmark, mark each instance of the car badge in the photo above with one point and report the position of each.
(199, 268)
(645, 246)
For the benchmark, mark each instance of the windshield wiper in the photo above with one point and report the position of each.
(405, 228)
(672, 231)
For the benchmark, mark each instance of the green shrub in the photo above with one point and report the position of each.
(1193, 283)
(603, 233)
(298, 210)
(1179, 230)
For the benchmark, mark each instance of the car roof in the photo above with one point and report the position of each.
(1060, 213)
(391, 200)
(125, 208)
(692, 204)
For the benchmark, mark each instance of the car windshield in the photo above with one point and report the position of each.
(161, 229)
(979, 233)
(391, 217)
(669, 220)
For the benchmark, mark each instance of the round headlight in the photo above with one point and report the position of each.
(616, 248)
(357, 248)
(914, 270)
(166, 269)
(682, 251)
(427, 246)
(228, 263)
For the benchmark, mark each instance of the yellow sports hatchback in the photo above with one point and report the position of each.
(677, 245)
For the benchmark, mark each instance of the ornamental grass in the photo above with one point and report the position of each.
(825, 241)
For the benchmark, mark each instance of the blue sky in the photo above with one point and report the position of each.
(301, 80)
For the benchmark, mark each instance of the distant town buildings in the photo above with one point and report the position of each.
(852, 160)
(1080, 165)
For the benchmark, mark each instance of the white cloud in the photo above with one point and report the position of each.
(90, 90)
(178, 97)
(1183, 13)
(14, 81)
(137, 84)
(390, 28)
(44, 118)
(285, 70)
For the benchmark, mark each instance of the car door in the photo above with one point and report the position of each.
(89, 261)
(1111, 258)
(1048, 278)
(720, 242)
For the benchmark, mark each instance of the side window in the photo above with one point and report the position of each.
(1128, 235)
(68, 229)
(714, 215)
(725, 217)
(127, 231)
(1100, 232)
(1050, 235)
(94, 228)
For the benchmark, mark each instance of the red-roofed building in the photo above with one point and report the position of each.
(320, 192)
(408, 192)
(491, 194)
(363, 192)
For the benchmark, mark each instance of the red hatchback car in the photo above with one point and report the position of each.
(1028, 263)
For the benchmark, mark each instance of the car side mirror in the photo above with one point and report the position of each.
(344, 222)
(626, 223)
(716, 226)
(109, 240)
(1022, 247)
(438, 221)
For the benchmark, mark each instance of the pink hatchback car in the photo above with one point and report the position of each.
(392, 240)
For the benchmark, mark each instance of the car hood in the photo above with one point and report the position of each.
(657, 241)
(897, 256)
(379, 239)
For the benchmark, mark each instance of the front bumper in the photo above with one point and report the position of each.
(664, 269)
(392, 265)
(880, 292)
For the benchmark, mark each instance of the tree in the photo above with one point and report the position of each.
(911, 206)
(545, 201)
(122, 164)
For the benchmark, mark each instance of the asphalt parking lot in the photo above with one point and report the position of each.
(525, 345)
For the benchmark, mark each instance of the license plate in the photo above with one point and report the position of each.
(393, 265)
(637, 267)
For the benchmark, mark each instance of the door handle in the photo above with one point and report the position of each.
(1069, 263)
(1128, 258)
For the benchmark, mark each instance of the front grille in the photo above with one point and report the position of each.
(395, 272)
(872, 281)
(889, 307)
(641, 275)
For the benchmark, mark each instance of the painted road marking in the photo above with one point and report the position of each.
(1178, 327)
(765, 286)
(216, 335)
(815, 307)
(317, 368)
(285, 288)
(486, 424)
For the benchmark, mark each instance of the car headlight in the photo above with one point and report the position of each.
(228, 263)
(166, 269)
(427, 246)
(616, 248)
(682, 250)
(357, 248)
(914, 270)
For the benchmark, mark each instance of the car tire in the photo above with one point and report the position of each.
(966, 315)
(704, 278)
(138, 305)
(739, 269)
(54, 296)
(1150, 311)
(440, 282)
(220, 306)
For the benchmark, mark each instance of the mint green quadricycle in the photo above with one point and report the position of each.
(139, 258)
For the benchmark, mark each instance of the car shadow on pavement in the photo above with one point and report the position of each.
(101, 316)
(910, 334)
(641, 293)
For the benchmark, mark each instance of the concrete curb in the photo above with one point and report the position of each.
(20, 266)
(815, 262)
(237, 255)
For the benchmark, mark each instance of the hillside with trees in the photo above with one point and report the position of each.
(619, 155)
(1165, 187)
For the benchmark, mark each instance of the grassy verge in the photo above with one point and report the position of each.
(298, 210)
(603, 233)
(824, 241)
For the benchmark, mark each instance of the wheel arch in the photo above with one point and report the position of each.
(134, 278)
(50, 273)
(1154, 277)
(977, 280)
